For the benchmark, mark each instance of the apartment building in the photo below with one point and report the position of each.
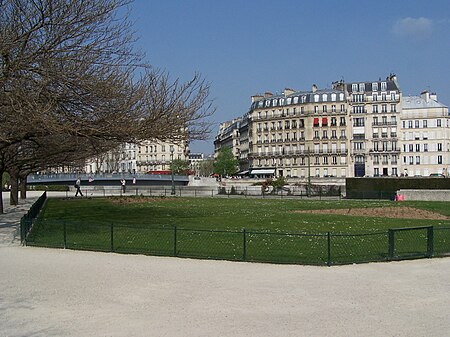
(354, 129)
(298, 134)
(374, 110)
(228, 136)
(425, 136)
(155, 156)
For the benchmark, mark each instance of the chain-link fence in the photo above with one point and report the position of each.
(26, 222)
(258, 246)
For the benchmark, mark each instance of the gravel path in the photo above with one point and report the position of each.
(46, 292)
(51, 292)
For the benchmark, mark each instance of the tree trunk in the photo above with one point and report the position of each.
(14, 194)
(1, 194)
(23, 186)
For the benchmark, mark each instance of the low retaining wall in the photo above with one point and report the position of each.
(426, 195)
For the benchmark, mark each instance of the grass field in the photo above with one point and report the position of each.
(214, 228)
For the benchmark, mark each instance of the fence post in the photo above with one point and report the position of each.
(175, 241)
(430, 241)
(329, 249)
(391, 244)
(244, 256)
(65, 235)
(112, 238)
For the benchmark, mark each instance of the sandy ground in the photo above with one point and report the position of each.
(51, 292)
(47, 292)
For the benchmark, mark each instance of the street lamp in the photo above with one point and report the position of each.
(171, 169)
(309, 172)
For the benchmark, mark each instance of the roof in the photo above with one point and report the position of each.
(417, 102)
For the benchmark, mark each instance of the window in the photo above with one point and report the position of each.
(324, 98)
(342, 121)
(424, 123)
(438, 123)
(439, 159)
(333, 121)
(439, 146)
(411, 160)
(316, 109)
(375, 109)
(333, 108)
(316, 121)
(324, 121)
(393, 108)
(394, 159)
(325, 160)
(410, 124)
(333, 134)
(376, 172)
(334, 160)
(342, 108)
(362, 87)
(383, 86)
(324, 108)
(384, 108)
(358, 121)
(376, 159)
(302, 110)
(417, 160)
(354, 87)
(425, 147)
(392, 96)
(316, 134)
(411, 147)
(417, 147)
(374, 86)
(316, 98)
(325, 134)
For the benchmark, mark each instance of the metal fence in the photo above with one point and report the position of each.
(231, 191)
(246, 245)
(26, 222)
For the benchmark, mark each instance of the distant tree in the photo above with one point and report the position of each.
(180, 166)
(206, 168)
(226, 163)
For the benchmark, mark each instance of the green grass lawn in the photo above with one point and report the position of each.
(214, 228)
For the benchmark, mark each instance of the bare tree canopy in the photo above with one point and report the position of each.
(69, 71)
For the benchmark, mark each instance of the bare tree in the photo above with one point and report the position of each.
(69, 70)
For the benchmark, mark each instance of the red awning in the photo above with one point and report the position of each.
(324, 121)
(316, 121)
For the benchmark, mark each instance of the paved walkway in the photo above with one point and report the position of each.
(10, 220)
(56, 292)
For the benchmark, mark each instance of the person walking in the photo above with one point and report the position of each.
(123, 182)
(78, 187)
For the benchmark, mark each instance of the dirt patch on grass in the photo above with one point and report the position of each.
(387, 212)
(138, 200)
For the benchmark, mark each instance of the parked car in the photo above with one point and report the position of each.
(437, 175)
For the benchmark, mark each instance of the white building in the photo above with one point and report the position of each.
(425, 136)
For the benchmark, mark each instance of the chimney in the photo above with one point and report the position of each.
(267, 94)
(425, 95)
(314, 88)
(433, 96)
(288, 91)
(256, 97)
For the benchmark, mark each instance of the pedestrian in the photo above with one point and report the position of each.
(78, 187)
(122, 182)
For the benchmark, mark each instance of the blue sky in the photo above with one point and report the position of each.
(247, 47)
